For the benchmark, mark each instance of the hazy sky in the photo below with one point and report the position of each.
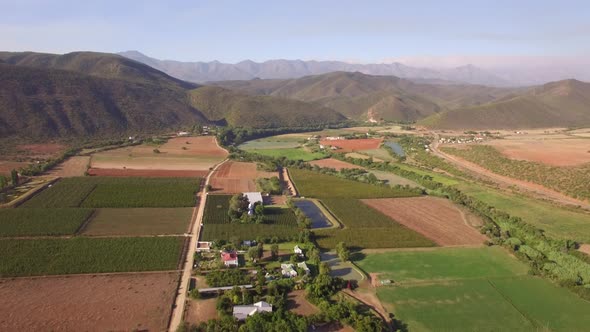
(360, 31)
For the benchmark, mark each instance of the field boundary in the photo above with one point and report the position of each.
(532, 321)
(329, 214)
(28, 195)
(73, 275)
(85, 223)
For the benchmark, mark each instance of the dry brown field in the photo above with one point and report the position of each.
(435, 218)
(48, 149)
(73, 166)
(149, 173)
(297, 303)
(200, 311)
(117, 302)
(585, 248)
(334, 163)
(556, 152)
(351, 145)
(6, 166)
(236, 177)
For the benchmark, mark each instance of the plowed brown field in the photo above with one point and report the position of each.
(334, 163)
(236, 177)
(118, 302)
(556, 152)
(74, 166)
(146, 172)
(436, 218)
(351, 145)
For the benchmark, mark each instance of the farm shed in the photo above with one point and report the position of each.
(241, 312)
(254, 197)
(216, 289)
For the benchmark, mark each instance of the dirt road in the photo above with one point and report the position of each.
(180, 302)
(535, 189)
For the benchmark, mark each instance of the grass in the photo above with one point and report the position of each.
(41, 222)
(393, 179)
(88, 255)
(102, 192)
(381, 237)
(447, 181)
(139, 221)
(379, 154)
(292, 153)
(217, 225)
(313, 184)
(264, 144)
(558, 222)
(474, 286)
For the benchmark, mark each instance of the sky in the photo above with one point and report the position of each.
(355, 31)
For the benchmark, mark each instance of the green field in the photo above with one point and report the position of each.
(103, 192)
(41, 222)
(393, 179)
(447, 181)
(88, 255)
(263, 144)
(313, 184)
(139, 221)
(217, 225)
(293, 154)
(559, 223)
(379, 154)
(472, 289)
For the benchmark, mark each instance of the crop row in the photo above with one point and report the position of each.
(41, 222)
(314, 184)
(376, 237)
(88, 255)
(103, 192)
(355, 214)
(230, 232)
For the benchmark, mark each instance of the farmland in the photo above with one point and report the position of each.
(559, 223)
(475, 286)
(73, 166)
(352, 145)
(41, 222)
(88, 303)
(139, 221)
(436, 218)
(180, 153)
(569, 180)
(88, 255)
(551, 151)
(291, 153)
(237, 177)
(333, 163)
(98, 192)
(314, 184)
(279, 222)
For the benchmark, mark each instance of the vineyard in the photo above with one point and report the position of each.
(366, 228)
(88, 255)
(313, 184)
(97, 192)
(41, 222)
(572, 180)
(217, 225)
(139, 221)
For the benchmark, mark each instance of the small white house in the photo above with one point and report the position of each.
(288, 271)
(182, 133)
(298, 251)
(241, 312)
(304, 267)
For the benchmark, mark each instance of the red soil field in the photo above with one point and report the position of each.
(200, 145)
(117, 302)
(334, 163)
(145, 172)
(74, 166)
(7, 166)
(435, 218)
(235, 177)
(351, 145)
(555, 152)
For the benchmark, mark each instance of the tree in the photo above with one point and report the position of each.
(343, 252)
(253, 253)
(224, 305)
(14, 177)
(238, 204)
(274, 251)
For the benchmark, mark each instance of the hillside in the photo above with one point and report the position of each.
(361, 96)
(236, 109)
(563, 103)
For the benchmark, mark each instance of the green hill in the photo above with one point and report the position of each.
(563, 103)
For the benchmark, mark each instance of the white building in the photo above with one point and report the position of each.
(241, 312)
(288, 271)
(254, 197)
(304, 267)
(298, 251)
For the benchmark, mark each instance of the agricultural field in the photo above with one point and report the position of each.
(378, 155)
(558, 222)
(393, 179)
(333, 163)
(99, 192)
(352, 145)
(148, 173)
(436, 218)
(279, 222)
(138, 221)
(570, 180)
(119, 302)
(446, 180)
(365, 227)
(313, 184)
(180, 153)
(73, 166)
(475, 286)
(42, 222)
(237, 177)
(293, 154)
(88, 255)
(551, 151)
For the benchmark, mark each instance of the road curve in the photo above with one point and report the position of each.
(180, 302)
(537, 190)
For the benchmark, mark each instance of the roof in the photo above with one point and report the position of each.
(229, 256)
(215, 289)
(303, 266)
(243, 311)
(254, 197)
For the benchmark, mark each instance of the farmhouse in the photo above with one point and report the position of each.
(288, 271)
(203, 246)
(298, 251)
(304, 267)
(229, 258)
(241, 312)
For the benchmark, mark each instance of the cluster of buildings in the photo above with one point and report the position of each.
(461, 140)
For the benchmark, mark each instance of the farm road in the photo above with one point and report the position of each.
(478, 171)
(178, 309)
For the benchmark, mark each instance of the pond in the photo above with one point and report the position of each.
(313, 212)
(396, 148)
